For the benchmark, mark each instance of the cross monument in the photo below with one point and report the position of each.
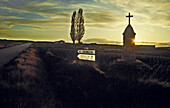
(129, 17)
(128, 52)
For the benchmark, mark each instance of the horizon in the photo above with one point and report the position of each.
(105, 20)
(100, 43)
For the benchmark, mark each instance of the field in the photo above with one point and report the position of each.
(49, 75)
(7, 43)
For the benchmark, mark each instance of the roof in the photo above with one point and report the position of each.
(129, 30)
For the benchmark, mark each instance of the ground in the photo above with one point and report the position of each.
(49, 75)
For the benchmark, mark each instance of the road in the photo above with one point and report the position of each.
(8, 54)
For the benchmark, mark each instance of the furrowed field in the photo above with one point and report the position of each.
(48, 75)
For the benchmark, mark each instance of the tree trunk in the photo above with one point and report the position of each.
(79, 41)
(73, 41)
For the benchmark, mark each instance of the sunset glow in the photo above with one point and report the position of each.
(105, 20)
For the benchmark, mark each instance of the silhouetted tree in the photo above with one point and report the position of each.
(73, 27)
(80, 25)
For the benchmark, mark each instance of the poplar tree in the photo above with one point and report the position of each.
(73, 27)
(80, 25)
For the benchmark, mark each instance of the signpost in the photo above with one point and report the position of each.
(86, 55)
(86, 51)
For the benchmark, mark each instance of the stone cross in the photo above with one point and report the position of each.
(129, 17)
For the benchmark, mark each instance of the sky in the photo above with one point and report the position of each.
(105, 20)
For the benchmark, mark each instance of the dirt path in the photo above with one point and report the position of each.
(7, 54)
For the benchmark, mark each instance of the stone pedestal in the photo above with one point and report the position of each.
(128, 55)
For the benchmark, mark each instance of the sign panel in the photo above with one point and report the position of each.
(86, 51)
(86, 57)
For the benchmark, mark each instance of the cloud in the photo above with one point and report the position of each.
(46, 11)
(33, 20)
(145, 11)
(8, 12)
(101, 41)
(164, 43)
(145, 43)
(53, 12)
(99, 17)
(100, 25)
(25, 21)
(46, 4)
(4, 0)
(38, 24)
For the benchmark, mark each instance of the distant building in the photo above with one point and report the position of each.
(60, 42)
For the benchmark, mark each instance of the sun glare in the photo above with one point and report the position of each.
(136, 41)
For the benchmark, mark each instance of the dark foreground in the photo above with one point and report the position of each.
(46, 75)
